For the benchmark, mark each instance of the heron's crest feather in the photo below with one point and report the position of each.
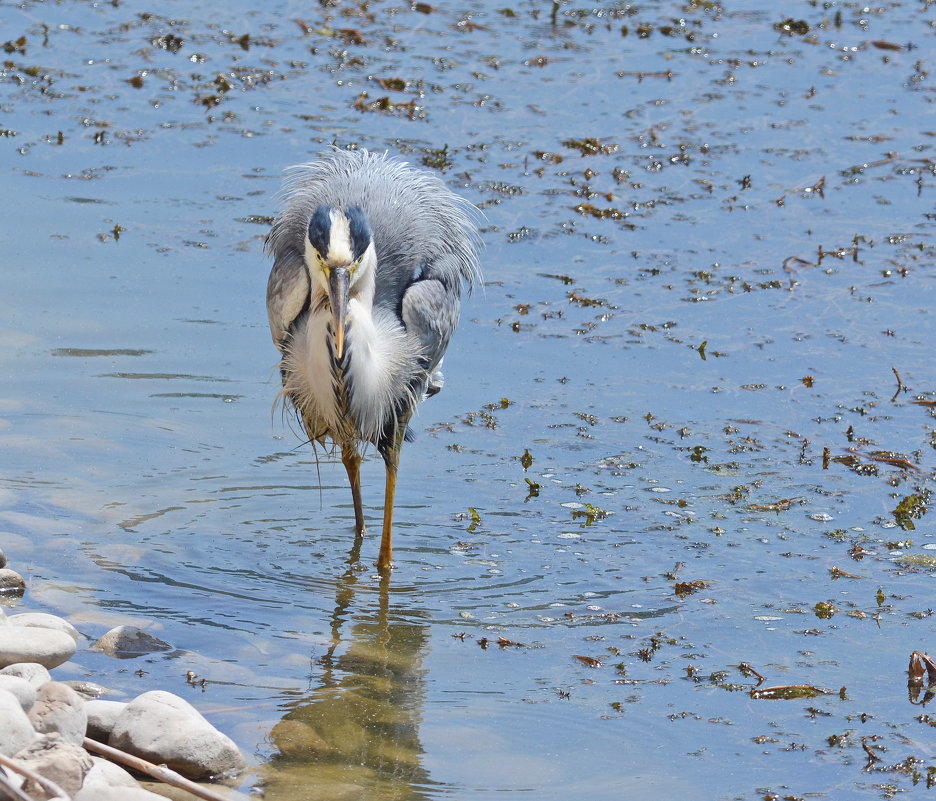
(415, 218)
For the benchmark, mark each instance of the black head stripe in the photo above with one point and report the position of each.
(320, 228)
(360, 230)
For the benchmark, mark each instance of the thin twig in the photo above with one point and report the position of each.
(746, 668)
(160, 772)
(48, 786)
(12, 789)
(900, 384)
(872, 756)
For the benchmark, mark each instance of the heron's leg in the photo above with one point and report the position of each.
(351, 459)
(391, 455)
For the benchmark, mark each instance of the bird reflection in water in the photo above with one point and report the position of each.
(356, 736)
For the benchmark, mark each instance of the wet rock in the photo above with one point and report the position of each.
(16, 732)
(11, 582)
(164, 728)
(27, 644)
(87, 689)
(34, 673)
(25, 693)
(59, 708)
(3, 559)
(127, 641)
(64, 763)
(101, 718)
(297, 740)
(41, 620)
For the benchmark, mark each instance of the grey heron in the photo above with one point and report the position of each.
(369, 259)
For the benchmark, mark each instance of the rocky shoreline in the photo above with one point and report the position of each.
(50, 730)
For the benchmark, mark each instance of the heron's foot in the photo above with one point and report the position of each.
(385, 558)
(384, 568)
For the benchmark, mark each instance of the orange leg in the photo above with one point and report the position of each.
(385, 559)
(351, 459)
(391, 455)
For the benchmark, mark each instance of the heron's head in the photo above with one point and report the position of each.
(340, 257)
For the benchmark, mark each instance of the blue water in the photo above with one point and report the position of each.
(657, 329)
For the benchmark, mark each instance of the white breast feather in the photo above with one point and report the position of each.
(308, 356)
(377, 370)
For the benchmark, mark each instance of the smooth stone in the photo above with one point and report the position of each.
(59, 708)
(102, 715)
(3, 559)
(165, 728)
(105, 774)
(99, 793)
(125, 641)
(16, 732)
(298, 741)
(64, 763)
(48, 647)
(33, 672)
(11, 582)
(25, 693)
(42, 620)
(86, 689)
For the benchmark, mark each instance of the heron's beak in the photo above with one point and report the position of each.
(339, 279)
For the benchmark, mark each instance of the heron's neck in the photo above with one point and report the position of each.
(376, 375)
(363, 290)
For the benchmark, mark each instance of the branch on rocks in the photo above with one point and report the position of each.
(12, 789)
(159, 772)
(55, 792)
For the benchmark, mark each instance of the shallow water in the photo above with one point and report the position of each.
(707, 319)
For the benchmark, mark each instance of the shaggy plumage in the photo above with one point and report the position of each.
(370, 256)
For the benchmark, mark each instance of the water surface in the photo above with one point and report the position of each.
(687, 425)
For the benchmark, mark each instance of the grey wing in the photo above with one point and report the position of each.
(287, 294)
(430, 312)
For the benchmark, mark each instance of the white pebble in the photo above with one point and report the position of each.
(165, 728)
(25, 693)
(59, 708)
(16, 732)
(48, 647)
(41, 620)
(33, 672)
